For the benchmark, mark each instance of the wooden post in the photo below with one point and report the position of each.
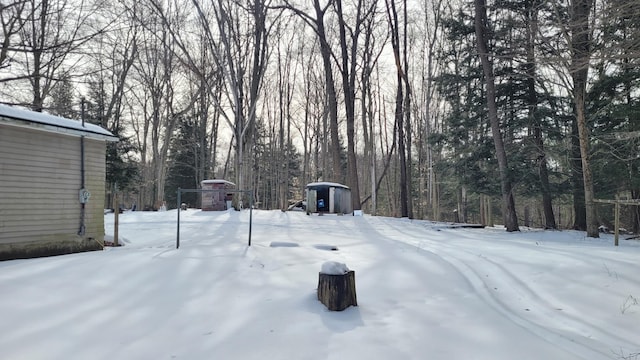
(483, 216)
(337, 292)
(617, 203)
(116, 213)
(489, 212)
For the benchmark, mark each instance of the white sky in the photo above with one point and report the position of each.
(425, 291)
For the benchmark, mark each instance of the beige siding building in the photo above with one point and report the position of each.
(52, 184)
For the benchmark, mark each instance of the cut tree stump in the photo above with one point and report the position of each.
(337, 292)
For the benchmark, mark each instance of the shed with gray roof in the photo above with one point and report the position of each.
(328, 197)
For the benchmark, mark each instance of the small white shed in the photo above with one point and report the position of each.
(52, 184)
(328, 197)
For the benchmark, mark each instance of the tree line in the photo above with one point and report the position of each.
(521, 112)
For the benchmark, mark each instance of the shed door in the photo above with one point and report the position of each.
(332, 200)
(312, 201)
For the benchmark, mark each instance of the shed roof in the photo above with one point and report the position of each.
(328, 184)
(46, 122)
(217, 181)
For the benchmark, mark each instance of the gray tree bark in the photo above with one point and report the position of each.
(348, 70)
(579, 68)
(325, 52)
(399, 110)
(543, 173)
(337, 292)
(509, 212)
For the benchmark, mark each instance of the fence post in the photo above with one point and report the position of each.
(617, 223)
(178, 227)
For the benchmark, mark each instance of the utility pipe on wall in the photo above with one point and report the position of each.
(83, 195)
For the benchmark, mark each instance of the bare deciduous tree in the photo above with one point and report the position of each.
(317, 23)
(400, 112)
(429, 109)
(49, 35)
(242, 55)
(11, 21)
(349, 48)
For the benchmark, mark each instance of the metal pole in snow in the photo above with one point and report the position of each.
(116, 215)
(617, 223)
(250, 214)
(178, 227)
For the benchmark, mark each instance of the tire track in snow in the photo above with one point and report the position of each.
(539, 310)
(593, 259)
(606, 264)
(539, 325)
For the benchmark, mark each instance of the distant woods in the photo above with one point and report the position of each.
(519, 112)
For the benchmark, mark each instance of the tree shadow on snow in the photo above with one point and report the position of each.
(336, 321)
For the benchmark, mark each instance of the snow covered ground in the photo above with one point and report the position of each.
(424, 291)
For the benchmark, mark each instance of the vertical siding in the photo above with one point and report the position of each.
(95, 172)
(216, 200)
(39, 193)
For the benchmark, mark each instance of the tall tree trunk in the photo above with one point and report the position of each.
(305, 134)
(433, 33)
(591, 217)
(317, 24)
(39, 36)
(579, 68)
(577, 180)
(399, 112)
(368, 117)
(348, 84)
(635, 210)
(407, 115)
(325, 51)
(366, 113)
(543, 174)
(281, 163)
(633, 126)
(399, 116)
(509, 211)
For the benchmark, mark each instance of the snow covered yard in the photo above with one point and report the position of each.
(424, 291)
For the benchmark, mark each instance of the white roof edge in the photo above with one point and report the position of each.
(46, 122)
(217, 181)
(326, 183)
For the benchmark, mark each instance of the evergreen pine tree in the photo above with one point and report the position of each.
(62, 99)
(181, 171)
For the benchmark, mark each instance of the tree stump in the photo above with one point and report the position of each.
(337, 292)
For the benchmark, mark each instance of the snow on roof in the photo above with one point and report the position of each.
(53, 123)
(329, 184)
(217, 181)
